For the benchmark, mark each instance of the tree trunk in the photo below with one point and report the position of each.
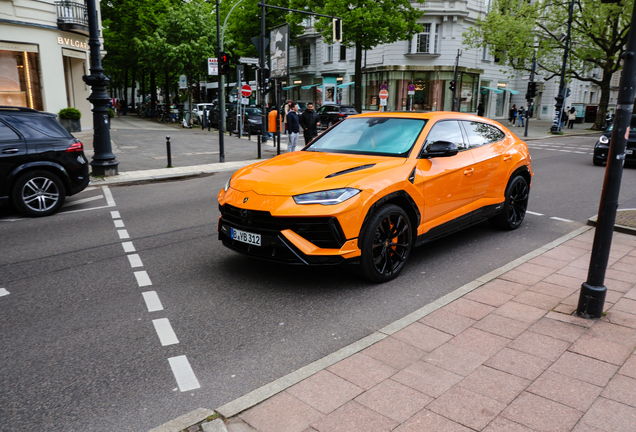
(143, 86)
(125, 93)
(166, 97)
(153, 91)
(604, 102)
(133, 89)
(357, 76)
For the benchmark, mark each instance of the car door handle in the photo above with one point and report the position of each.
(507, 158)
(10, 150)
(469, 171)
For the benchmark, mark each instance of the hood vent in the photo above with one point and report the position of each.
(350, 170)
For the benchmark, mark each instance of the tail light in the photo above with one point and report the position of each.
(75, 147)
(341, 115)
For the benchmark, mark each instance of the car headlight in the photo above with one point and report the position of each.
(603, 139)
(227, 184)
(328, 197)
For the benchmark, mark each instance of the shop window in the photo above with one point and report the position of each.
(19, 80)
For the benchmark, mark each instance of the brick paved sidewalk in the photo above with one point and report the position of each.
(507, 356)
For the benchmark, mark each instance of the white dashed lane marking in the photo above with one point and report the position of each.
(164, 330)
(533, 213)
(152, 301)
(561, 219)
(115, 214)
(135, 261)
(142, 278)
(123, 234)
(3, 292)
(119, 223)
(82, 201)
(128, 247)
(183, 373)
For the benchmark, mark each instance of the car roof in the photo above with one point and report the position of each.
(13, 110)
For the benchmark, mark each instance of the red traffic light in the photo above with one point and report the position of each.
(452, 86)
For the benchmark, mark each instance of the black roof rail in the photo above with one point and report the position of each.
(15, 108)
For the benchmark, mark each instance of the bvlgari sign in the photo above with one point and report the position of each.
(72, 43)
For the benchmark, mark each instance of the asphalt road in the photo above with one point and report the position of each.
(78, 346)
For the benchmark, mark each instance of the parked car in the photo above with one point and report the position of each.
(374, 186)
(332, 114)
(251, 120)
(601, 148)
(40, 162)
(198, 110)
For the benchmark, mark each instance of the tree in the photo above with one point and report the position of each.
(365, 25)
(515, 29)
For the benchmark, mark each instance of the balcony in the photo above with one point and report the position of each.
(72, 17)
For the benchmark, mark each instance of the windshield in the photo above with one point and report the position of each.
(375, 135)
(252, 111)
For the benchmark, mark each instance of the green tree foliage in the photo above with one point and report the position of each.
(516, 29)
(365, 25)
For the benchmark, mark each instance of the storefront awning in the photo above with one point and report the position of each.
(310, 86)
(345, 85)
(510, 90)
(496, 90)
(290, 87)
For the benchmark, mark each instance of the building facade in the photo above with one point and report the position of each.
(417, 73)
(43, 55)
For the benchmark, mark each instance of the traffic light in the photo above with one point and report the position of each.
(224, 64)
(337, 30)
(451, 86)
(264, 80)
(532, 90)
(559, 100)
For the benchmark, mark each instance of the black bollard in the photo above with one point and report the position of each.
(258, 143)
(168, 152)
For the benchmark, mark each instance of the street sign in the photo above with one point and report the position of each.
(183, 82)
(245, 101)
(383, 87)
(383, 102)
(213, 66)
(411, 90)
(248, 60)
(246, 90)
(384, 95)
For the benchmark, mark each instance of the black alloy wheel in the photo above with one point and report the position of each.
(386, 244)
(515, 206)
(38, 193)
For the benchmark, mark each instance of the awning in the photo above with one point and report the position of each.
(290, 87)
(496, 90)
(510, 90)
(345, 85)
(310, 86)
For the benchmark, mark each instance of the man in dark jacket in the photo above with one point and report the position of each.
(309, 122)
(294, 127)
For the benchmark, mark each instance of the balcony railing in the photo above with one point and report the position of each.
(72, 16)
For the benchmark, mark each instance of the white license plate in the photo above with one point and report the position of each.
(246, 237)
(629, 151)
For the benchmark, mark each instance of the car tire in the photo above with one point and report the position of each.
(385, 244)
(515, 205)
(38, 193)
(597, 162)
(329, 123)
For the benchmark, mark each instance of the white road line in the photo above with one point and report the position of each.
(183, 373)
(561, 219)
(123, 234)
(128, 247)
(135, 261)
(119, 223)
(567, 151)
(533, 213)
(109, 196)
(152, 301)
(142, 278)
(115, 214)
(578, 152)
(165, 332)
(3, 292)
(82, 201)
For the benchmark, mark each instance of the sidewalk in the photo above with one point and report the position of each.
(503, 353)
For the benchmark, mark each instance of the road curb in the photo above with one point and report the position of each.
(259, 395)
(617, 227)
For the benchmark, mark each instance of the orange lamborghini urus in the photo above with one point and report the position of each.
(375, 185)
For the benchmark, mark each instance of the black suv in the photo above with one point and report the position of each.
(40, 162)
(601, 149)
(331, 114)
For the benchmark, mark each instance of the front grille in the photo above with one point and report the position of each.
(324, 232)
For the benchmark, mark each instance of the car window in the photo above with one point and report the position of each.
(447, 130)
(37, 127)
(7, 134)
(253, 111)
(348, 110)
(370, 135)
(481, 133)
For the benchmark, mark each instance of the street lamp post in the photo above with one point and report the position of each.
(104, 161)
(558, 112)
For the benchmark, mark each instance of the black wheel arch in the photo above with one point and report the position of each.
(52, 167)
(403, 200)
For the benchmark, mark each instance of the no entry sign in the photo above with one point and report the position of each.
(246, 90)
(384, 94)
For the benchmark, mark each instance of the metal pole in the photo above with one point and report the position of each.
(592, 296)
(220, 84)
(529, 100)
(560, 99)
(261, 80)
(168, 152)
(104, 161)
(455, 79)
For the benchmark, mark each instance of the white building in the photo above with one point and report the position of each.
(43, 55)
(427, 63)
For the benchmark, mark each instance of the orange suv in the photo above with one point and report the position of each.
(375, 185)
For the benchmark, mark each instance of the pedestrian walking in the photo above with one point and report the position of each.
(512, 115)
(288, 106)
(293, 122)
(309, 122)
(118, 108)
(522, 114)
(480, 109)
(564, 117)
(571, 117)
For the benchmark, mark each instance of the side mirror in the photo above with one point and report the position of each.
(440, 149)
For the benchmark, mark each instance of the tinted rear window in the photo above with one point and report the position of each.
(37, 127)
(348, 110)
